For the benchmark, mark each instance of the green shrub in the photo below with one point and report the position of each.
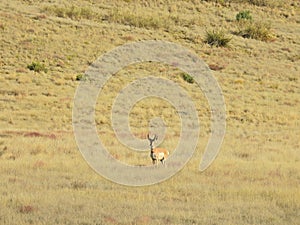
(243, 15)
(217, 38)
(37, 67)
(188, 78)
(80, 77)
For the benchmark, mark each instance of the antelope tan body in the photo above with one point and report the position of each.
(157, 154)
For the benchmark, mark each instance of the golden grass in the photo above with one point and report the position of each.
(256, 30)
(45, 180)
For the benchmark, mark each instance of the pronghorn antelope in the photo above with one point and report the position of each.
(157, 154)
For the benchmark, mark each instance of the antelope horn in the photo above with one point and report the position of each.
(152, 139)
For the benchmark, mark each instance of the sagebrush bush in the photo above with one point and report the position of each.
(244, 15)
(37, 67)
(217, 38)
(188, 78)
(255, 30)
(80, 77)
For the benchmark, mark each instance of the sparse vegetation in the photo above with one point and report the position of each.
(149, 19)
(124, 16)
(248, 28)
(217, 38)
(136, 19)
(80, 77)
(255, 30)
(188, 78)
(71, 12)
(263, 3)
(244, 15)
(37, 67)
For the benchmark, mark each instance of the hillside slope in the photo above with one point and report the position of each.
(46, 47)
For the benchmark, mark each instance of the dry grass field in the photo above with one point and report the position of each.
(46, 46)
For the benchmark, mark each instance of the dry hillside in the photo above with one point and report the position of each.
(46, 47)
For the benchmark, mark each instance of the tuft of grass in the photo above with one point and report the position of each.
(150, 19)
(37, 67)
(217, 38)
(25, 209)
(255, 30)
(78, 185)
(261, 2)
(188, 78)
(135, 19)
(72, 12)
(244, 15)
